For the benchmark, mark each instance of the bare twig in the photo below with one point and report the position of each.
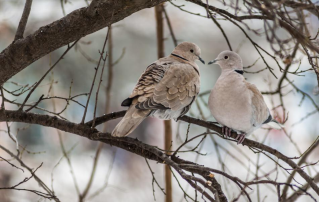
(41, 79)
(88, 186)
(23, 20)
(170, 27)
(100, 81)
(51, 194)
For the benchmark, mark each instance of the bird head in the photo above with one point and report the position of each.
(189, 51)
(228, 60)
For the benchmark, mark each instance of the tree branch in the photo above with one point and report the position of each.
(257, 145)
(23, 20)
(75, 25)
(134, 145)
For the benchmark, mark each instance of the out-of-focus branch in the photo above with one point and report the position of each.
(311, 7)
(88, 186)
(110, 72)
(62, 146)
(48, 71)
(301, 161)
(293, 197)
(265, 16)
(23, 20)
(50, 194)
(108, 99)
(159, 12)
(169, 24)
(221, 29)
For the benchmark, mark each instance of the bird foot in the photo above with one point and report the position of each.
(240, 138)
(226, 131)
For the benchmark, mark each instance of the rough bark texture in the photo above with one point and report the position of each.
(75, 25)
(127, 143)
(133, 145)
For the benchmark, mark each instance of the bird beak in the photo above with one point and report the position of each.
(214, 61)
(201, 60)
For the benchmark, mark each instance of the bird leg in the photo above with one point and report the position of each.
(229, 132)
(226, 131)
(240, 138)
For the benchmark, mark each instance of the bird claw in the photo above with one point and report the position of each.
(226, 131)
(240, 138)
(229, 132)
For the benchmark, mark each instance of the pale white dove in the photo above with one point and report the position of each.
(165, 90)
(235, 103)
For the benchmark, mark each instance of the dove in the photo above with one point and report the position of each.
(235, 103)
(165, 90)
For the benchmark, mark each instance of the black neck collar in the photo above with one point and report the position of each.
(179, 57)
(241, 72)
(185, 60)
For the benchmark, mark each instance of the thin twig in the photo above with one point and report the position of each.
(50, 69)
(23, 20)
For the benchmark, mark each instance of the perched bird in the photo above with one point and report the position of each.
(235, 103)
(165, 90)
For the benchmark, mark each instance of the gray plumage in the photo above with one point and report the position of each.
(165, 90)
(234, 102)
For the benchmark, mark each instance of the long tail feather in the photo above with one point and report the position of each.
(130, 121)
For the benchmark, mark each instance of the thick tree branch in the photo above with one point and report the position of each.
(133, 145)
(130, 144)
(75, 25)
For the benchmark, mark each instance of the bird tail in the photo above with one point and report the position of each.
(130, 121)
(275, 125)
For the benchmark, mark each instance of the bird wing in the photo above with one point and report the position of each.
(166, 86)
(260, 111)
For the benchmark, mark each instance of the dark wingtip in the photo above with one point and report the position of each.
(127, 102)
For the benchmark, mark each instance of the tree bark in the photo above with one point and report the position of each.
(75, 25)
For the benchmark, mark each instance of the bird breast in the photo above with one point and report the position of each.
(230, 104)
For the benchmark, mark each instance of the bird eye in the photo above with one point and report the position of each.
(226, 57)
(192, 50)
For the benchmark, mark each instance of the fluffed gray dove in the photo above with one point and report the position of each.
(235, 103)
(165, 90)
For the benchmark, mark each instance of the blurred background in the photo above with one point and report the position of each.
(121, 175)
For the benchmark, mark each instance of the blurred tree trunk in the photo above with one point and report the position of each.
(167, 123)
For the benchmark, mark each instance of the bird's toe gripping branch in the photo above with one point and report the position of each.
(226, 131)
(240, 138)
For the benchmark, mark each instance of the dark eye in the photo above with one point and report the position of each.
(226, 57)
(192, 50)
